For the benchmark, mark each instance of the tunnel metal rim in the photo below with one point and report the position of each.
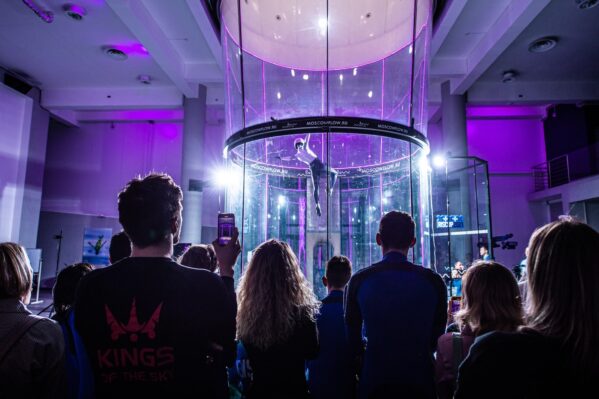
(322, 124)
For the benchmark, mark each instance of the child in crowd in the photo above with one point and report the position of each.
(79, 375)
(331, 375)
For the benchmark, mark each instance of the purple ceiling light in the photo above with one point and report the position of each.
(46, 16)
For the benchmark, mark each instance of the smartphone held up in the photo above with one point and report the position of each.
(226, 226)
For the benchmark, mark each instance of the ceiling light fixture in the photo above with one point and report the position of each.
(74, 11)
(145, 79)
(115, 54)
(586, 4)
(543, 44)
(509, 76)
(46, 16)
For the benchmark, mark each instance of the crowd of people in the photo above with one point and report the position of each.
(149, 326)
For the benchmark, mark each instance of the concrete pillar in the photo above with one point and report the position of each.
(455, 143)
(453, 108)
(192, 166)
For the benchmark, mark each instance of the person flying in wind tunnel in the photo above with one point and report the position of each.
(318, 169)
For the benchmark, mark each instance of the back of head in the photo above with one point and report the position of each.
(397, 230)
(200, 256)
(66, 285)
(120, 247)
(273, 296)
(338, 271)
(490, 299)
(148, 207)
(563, 279)
(16, 276)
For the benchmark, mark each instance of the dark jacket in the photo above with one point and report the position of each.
(154, 328)
(521, 365)
(279, 371)
(331, 374)
(446, 361)
(402, 309)
(34, 367)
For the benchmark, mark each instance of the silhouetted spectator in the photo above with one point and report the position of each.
(79, 375)
(200, 256)
(401, 308)
(490, 302)
(120, 247)
(276, 324)
(557, 354)
(151, 327)
(331, 375)
(31, 347)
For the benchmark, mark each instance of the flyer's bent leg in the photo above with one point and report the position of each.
(332, 179)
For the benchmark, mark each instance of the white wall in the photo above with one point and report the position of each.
(15, 126)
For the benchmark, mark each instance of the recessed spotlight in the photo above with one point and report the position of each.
(115, 54)
(542, 45)
(305, 76)
(509, 76)
(370, 94)
(145, 79)
(74, 11)
(586, 4)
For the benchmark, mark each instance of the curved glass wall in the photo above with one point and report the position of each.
(348, 79)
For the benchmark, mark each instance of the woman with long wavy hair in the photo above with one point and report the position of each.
(276, 322)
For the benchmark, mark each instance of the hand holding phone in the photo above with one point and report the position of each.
(226, 224)
(226, 246)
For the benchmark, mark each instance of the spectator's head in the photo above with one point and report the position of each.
(563, 294)
(150, 210)
(396, 232)
(66, 285)
(337, 273)
(16, 276)
(483, 249)
(200, 256)
(273, 296)
(120, 247)
(490, 299)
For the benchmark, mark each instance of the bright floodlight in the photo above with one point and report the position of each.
(282, 200)
(439, 161)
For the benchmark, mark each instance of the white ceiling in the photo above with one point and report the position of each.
(67, 53)
(473, 43)
(575, 58)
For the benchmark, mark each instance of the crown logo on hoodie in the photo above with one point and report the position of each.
(133, 327)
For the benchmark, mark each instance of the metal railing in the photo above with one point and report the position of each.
(553, 173)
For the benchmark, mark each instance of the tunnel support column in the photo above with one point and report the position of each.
(192, 166)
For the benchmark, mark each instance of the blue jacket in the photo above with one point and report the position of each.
(330, 375)
(402, 309)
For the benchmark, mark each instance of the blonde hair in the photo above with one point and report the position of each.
(563, 281)
(491, 299)
(16, 276)
(273, 296)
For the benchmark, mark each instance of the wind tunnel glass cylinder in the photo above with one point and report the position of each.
(315, 59)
